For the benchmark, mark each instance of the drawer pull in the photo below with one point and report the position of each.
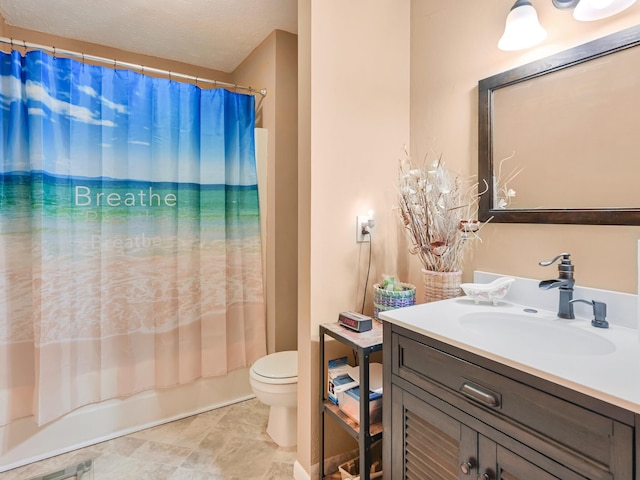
(481, 395)
(466, 467)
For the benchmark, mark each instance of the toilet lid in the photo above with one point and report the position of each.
(277, 365)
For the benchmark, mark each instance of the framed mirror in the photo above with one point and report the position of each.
(559, 138)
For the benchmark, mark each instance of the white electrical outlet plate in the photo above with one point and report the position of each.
(360, 238)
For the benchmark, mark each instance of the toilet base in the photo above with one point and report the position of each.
(282, 427)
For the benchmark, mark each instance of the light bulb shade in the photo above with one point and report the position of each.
(590, 10)
(522, 28)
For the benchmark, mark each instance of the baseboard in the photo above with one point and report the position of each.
(300, 473)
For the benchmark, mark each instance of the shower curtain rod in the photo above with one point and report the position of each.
(127, 65)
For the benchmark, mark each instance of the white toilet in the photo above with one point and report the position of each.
(274, 380)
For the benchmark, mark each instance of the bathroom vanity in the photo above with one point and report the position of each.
(498, 392)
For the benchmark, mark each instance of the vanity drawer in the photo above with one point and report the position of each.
(545, 415)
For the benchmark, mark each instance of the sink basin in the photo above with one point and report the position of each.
(539, 333)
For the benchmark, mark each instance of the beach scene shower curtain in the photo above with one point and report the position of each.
(129, 234)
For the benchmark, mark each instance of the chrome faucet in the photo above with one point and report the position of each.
(564, 283)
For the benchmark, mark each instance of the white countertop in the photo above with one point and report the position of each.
(556, 352)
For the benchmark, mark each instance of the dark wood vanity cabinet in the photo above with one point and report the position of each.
(451, 414)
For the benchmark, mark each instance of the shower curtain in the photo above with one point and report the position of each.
(129, 235)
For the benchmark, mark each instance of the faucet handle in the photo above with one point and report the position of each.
(565, 260)
(599, 312)
(565, 268)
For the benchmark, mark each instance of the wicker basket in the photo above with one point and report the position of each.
(389, 299)
(441, 285)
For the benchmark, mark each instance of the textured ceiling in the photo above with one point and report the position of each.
(217, 34)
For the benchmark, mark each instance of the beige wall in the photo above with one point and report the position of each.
(286, 195)
(307, 434)
(354, 120)
(274, 65)
(353, 106)
(453, 45)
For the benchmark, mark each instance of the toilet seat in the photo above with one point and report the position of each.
(277, 368)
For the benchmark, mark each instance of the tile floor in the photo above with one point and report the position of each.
(229, 443)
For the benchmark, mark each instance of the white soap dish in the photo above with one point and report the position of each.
(492, 292)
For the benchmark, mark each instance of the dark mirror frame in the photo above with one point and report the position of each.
(608, 45)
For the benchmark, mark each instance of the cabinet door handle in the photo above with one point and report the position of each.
(466, 467)
(480, 394)
(483, 476)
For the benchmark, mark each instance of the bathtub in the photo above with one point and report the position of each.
(23, 442)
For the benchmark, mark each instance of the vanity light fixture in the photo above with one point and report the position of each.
(522, 28)
(565, 4)
(590, 10)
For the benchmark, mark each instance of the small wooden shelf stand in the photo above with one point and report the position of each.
(363, 344)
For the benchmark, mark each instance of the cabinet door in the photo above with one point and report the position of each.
(430, 445)
(510, 466)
